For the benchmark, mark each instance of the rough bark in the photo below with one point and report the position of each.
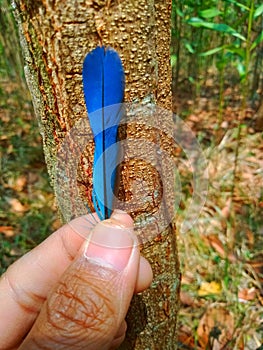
(55, 36)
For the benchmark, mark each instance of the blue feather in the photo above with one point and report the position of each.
(103, 83)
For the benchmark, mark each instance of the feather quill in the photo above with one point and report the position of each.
(103, 84)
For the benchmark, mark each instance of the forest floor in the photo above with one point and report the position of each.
(221, 255)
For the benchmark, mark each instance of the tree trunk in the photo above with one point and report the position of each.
(55, 37)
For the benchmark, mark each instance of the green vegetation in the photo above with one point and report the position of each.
(26, 199)
(216, 54)
(221, 39)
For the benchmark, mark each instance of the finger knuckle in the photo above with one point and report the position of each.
(28, 300)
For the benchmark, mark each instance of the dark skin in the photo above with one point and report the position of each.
(74, 289)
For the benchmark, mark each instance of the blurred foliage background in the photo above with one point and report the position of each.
(217, 61)
(27, 211)
(218, 43)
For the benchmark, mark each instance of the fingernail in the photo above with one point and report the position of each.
(110, 245)
(122, 217)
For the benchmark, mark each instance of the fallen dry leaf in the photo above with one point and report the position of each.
(218, 246)
(257, 265)
(260, 298)
(186, 338)
(17, 206)
(216, 327)
(18, 184)
(187, 299)
(10, 149)
(8, 231)
(225, 212)
(187, 278)
(56, 225)
(250, 237)
(241, 345)
(208, 288)
(246, 294)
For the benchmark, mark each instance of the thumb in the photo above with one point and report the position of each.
(86, 309)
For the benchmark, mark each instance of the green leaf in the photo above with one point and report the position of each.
(212, 51)
(173, 60)
(196, 22)
(209, 13)
(237, 50)
(241, 70)
(189, 47)
(219, 27)
(238, 4)
(179, 12)
(258, 12)
(257, 41)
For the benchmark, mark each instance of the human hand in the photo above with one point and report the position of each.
(70, 293)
